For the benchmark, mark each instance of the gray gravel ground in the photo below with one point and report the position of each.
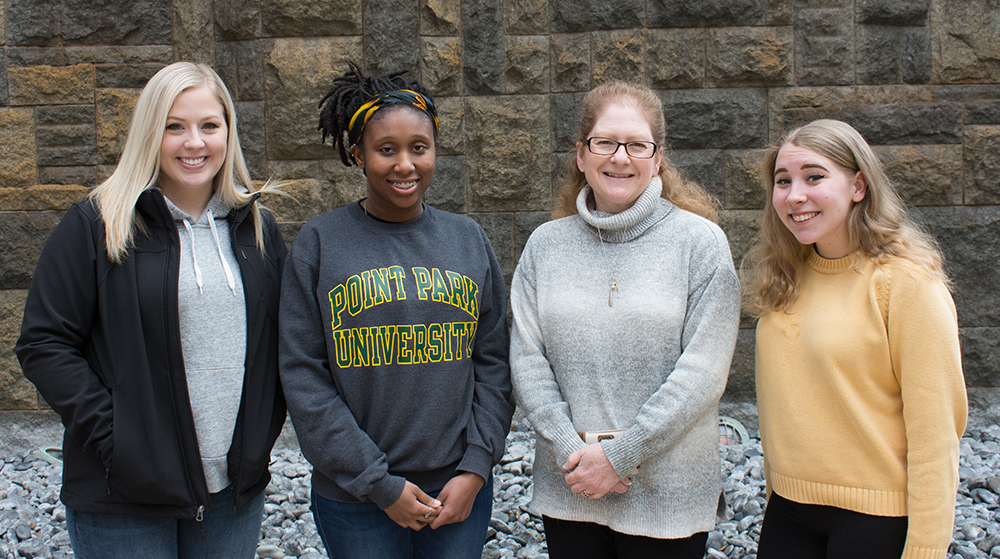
(33, 521)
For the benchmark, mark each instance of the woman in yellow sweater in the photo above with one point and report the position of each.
(859, 376)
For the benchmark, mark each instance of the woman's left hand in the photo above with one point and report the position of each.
(457, 498)
(590, 472)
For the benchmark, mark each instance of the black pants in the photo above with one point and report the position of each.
(586, 540)
(815, 531)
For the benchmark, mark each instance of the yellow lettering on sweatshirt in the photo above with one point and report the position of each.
(384, 339)
(404, 353)
(406, 344)
(365, 290)
(434, 342)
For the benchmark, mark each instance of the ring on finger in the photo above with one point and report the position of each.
(428, 515)
(585, 494)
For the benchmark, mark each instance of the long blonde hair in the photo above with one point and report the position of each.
(877, 226)
(680, 192)
(139, 167)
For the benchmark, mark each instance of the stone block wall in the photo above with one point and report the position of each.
(920, 79)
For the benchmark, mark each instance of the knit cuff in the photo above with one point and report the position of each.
(622, 451)
(552, 423)
(566, 442)
(923, 553)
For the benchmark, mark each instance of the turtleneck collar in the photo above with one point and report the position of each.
(626, 225)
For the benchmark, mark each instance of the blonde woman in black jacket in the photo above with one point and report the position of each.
(151, 328)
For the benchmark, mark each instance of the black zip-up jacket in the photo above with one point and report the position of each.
(102, 343)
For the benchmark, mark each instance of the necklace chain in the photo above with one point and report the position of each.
(612, 280)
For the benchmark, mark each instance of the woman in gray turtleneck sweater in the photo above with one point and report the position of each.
(625, 319)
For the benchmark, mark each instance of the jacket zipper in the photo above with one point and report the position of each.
(168, 218)
(198, 517)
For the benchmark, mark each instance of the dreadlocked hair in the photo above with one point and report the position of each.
(349, 92)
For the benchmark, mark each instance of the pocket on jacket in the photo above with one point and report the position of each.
(146, 466)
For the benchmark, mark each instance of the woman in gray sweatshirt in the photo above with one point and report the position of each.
(625, 318)
(394, 343)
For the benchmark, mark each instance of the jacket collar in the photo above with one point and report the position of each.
(152, 206)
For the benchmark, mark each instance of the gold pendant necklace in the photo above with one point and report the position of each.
(612, 280)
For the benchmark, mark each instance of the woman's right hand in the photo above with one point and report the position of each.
(590, 473)
(414, 509)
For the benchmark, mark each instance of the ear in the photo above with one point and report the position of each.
(657, 159)
(359, 156)
(579, 156)
(860, 187)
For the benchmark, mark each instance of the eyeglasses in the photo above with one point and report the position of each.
(606, 146)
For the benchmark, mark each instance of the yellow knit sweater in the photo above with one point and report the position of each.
(861, 396)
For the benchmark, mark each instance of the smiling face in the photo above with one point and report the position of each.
(193, 149)
(397, 155)
(618, 179)
(812, 196)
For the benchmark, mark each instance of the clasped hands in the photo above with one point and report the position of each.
(415, 509)
(590, 473)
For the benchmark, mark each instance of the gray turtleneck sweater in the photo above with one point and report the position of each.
(213, 332)
(655, 363)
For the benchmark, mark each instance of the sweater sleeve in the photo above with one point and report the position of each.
(59, 316)
(492, 401)
(535, 385)
(926, 359)
(699, 376)
(328, 434)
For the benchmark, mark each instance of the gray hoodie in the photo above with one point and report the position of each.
(213, 332)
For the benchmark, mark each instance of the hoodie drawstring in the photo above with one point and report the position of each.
(194, 256)
(218, 246)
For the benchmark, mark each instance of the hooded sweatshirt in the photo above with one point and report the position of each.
(213, 332)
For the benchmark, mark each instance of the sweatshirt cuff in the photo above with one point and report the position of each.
(477, 461)
(386, 491)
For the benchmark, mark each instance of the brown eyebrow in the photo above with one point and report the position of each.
(815, 166)
(806, 166)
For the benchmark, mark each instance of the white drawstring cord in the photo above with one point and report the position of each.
(218, 246)
(194, 256)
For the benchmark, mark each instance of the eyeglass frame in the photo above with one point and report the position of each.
(621, 144)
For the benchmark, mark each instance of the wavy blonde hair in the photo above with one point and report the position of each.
(878, 226)
(680, 192)
(139, 166)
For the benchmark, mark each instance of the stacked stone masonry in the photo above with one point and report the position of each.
(920, 79)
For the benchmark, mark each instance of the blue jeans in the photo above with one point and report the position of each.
(223, 533)
(364, 531)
